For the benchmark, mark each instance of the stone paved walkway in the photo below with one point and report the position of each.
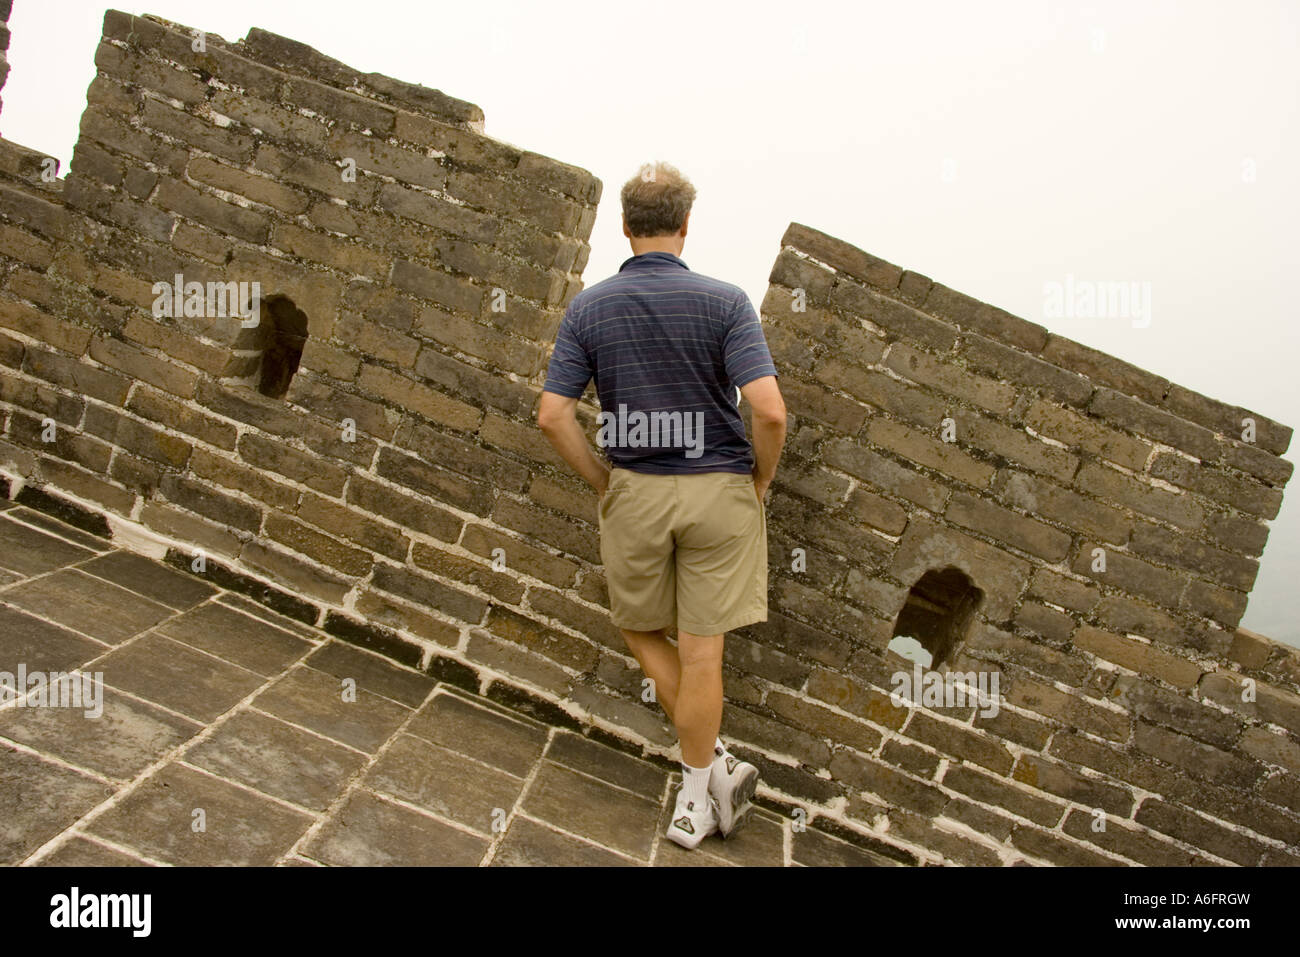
(226, 738)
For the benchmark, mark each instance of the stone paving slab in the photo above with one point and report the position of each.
(87, 604)
(41, 645)
(291, 747)
(317, 701)
(237, 638)
(278, 759)
(127, 736)
(178, 677)
(182, 816)
(151, 579)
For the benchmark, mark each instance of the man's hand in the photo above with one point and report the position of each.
(556, 416)
(760, 489)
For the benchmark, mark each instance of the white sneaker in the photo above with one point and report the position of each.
(732, 783)
(691, 824)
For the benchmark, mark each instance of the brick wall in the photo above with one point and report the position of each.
(399, 495)
(6, 7)
(931, 431)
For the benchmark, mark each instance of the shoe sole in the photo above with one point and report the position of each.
(737, 815)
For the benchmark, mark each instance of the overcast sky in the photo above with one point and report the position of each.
(995, 147)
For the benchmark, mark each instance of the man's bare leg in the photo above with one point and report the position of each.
(697, 711)
(660, 663)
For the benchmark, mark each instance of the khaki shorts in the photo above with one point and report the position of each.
(684, 550)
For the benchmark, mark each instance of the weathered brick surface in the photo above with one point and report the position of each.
(399, 491)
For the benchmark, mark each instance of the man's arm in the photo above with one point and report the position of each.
(764, 398)
(558, 419)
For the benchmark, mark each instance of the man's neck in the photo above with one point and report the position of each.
(657, 244)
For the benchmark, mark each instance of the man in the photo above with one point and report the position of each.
(683, 533)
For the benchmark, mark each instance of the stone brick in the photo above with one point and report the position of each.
(1033, 494)
(1001, 793)
(1128, 842)
(806, 399)
(1177, 712)
(826, 487)
(1064, 782)
(797, 272)
(892, 786)
(314, 174)
(910, 758)
(886, 474)
(823, 721)
(545, 210)
(260, 189)
(1015, 529)
(194, 131)
(894, 317)
(1069, 709)
(1016, 445)
(196, 497)
(1186, 552)
(1245, 494)
(339, 104)
(1138, 656)
(933, 453)
(1270, 704)
(406, 510)
(25, 247)
(418, 398)
(1010, 726)
(137, 437)
(916, 829)
(950, 379)
(1050, 847)
(972, 314)
(987, 642)
(841, 256)
(285, 460)
(1196, 758)
(161, 408)
(324, 549)
(243, 223)
(66, 336)
(1263, 465)
(526, 440)
(1098, 366)
(1130, 574)
(271, 119)
(1002, 360)
(959, 741)
(1195, 830)
(1078, 431)
(1224, 418)
(140, 365)
(429, 593)
(382, 157)
(881, 391)
(473, 338)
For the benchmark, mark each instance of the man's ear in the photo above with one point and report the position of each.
(626, 232)
(685, 220)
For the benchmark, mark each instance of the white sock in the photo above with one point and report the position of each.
(696, 784)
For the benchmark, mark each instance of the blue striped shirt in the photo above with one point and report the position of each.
(668, 348)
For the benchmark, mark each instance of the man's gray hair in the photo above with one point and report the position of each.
(656, 200)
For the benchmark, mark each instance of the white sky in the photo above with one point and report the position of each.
(994, 147)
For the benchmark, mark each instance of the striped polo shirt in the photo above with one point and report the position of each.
(669, 349)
